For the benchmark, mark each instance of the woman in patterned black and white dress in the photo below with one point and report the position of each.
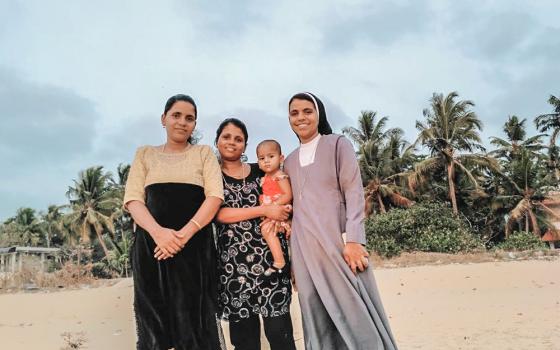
(244, 291)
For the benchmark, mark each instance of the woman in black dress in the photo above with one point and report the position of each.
(244, 291)
(173, 192)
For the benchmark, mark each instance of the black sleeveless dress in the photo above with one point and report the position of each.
(175, 300)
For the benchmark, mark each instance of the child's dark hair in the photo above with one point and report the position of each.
(274, 142)
(236, 122)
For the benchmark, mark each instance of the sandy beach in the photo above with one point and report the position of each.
(491, 305)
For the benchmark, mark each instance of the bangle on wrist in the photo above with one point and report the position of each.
(196, 223)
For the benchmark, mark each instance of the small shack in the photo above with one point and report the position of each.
(11, 258)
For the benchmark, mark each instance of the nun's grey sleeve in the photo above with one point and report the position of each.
(353, 192)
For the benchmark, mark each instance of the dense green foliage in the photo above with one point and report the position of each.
(428, 227)
(520, 240)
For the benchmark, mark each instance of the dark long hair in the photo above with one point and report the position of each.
(324, 126)
(236, 122)
(176, 98)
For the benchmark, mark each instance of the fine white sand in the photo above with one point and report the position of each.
(498, 305)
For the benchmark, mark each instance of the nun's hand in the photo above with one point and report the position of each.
(356, 257)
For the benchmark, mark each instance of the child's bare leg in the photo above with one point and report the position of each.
(275, 247)
(276, 250)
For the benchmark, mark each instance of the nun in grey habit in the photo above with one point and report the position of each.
(341, 309)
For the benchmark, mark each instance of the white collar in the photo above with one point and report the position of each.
(311, 144)
(307, 151)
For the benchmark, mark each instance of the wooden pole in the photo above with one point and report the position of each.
(14, 261)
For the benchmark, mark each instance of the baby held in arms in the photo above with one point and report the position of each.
(276, 189)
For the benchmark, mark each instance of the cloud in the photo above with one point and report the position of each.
(47, 121)
(44, 129)
(383, 23)
(506, 36)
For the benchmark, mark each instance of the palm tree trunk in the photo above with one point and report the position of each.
(527, 223)
(534, 223)
(450, 179)
(115, 244)
(381, 205)
(103, 245)
(368, 207)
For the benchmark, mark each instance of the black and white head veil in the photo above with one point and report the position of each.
(324, 126)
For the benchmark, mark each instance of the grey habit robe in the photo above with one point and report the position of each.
(340, 310)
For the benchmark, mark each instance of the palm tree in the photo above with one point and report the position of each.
(368, 129)
(23, 228)
(381, 157)
(521, 194)
(551, 122)
(515, 140)
(119, 259)
(451, 133)
(92, 203)
(122, 219)
(52, 223)
(122, 176)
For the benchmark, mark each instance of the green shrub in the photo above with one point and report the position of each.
(384, 246)
(521, 240)
(428, 227)
(100, 269)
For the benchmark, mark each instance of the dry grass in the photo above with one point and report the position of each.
(73, 340)
(32, 278)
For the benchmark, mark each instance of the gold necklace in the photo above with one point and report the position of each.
(242, 177)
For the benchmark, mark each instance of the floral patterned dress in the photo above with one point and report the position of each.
(244, 256)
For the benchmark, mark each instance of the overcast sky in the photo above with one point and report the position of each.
(83, 83)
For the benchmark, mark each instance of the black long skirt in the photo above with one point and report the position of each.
(175, 300)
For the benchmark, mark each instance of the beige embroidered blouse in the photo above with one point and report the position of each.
(197, 165)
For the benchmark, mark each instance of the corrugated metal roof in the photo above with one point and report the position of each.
(36, 250)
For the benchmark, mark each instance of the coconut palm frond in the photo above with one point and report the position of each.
(400, 201)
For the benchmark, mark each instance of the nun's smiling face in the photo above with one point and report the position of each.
(304, 120)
